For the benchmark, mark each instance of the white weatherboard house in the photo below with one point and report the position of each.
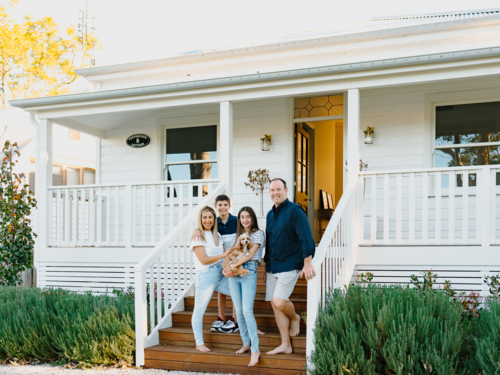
(428, 85)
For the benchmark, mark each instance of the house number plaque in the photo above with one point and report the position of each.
(138, 140)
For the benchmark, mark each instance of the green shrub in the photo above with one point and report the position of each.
(488, 342)
(392, 330)
(55, 323)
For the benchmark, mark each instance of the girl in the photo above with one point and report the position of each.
(243, 288)
(208, 278)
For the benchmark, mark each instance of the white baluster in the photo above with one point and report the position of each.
(373, 218)
(451, 207)
(99, 217)
(387, 204)
(437, 224)
(411, 223)
(58, 217)
(399, 208)
(465, 207)
(425, 207)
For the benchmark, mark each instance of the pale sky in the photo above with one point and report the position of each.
(133, 30)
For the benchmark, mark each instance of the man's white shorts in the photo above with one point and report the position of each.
(281, 284)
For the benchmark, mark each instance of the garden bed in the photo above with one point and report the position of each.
(400, 330)
(56, 325)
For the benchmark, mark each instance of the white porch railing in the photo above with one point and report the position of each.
(121, 215)
(437, 206)
(164, 277)
(334, 261)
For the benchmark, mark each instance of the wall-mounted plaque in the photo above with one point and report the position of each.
(138, 140)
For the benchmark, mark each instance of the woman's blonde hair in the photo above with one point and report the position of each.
(200, 226)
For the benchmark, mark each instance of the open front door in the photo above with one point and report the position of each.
(302, 147)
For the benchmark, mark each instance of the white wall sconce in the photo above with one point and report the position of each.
(265, 142)
(369, 134)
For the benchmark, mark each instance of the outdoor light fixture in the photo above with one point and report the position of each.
(369, 134)
(265, 142)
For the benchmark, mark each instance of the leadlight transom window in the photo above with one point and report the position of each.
(320, 106)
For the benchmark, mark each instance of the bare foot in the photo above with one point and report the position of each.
(286, 349)
(245, 349)
(254, 359)
(295, 326)
(203, 348)
(260, 333)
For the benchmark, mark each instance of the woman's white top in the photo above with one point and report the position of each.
(211, 250)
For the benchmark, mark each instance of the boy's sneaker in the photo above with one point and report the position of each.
(230, 326)
(216, 326)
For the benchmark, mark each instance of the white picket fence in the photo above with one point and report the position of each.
(166, 275)
(437, 206)
(121, 215)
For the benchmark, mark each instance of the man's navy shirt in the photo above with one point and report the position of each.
(288, 238)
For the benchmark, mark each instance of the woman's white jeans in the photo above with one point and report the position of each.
(206, 283)
(243, 289)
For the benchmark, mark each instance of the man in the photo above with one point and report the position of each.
(289, 251)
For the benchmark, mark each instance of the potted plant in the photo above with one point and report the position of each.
(258, 181)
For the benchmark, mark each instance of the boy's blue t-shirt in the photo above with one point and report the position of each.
(227, 231)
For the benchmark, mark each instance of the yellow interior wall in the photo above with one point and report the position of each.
(328, 164)
(339, 161)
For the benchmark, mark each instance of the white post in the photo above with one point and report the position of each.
(313, 301)
(226, 146)
(43, 176)
(141, 317)
(353, 119)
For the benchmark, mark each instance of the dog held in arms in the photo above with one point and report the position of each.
(242, 248)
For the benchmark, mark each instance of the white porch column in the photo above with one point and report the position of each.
(43, 179)
(353, 119)
(226, 146)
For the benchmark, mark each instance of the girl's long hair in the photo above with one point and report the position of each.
(254, 227)
(200, 226)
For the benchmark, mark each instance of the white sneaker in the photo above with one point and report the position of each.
(230, 326)
(217, 325)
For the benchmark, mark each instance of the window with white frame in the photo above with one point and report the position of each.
(467, 134)
(191, 153)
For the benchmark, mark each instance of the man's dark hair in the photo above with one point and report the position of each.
(222, 198)
(278, 179)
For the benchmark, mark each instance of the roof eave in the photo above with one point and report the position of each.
(262, 77)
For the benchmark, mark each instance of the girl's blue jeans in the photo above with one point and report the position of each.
(243, 290)
(206, 283)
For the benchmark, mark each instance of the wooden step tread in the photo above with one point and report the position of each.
(178, 336)
(225, 358)
(257, 299)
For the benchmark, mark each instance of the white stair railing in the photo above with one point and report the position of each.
(334, 260)
(164, 277)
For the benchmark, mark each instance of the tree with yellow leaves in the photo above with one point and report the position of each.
(36, 59)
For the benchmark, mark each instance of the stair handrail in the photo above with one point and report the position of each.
(156, 257)
(334, 260)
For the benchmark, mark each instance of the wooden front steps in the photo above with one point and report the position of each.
(176, 350)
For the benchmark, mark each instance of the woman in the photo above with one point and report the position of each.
(243, 288)
(208, 278)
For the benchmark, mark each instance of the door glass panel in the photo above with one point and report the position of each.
(304, 150)
(299, 177)
(304, 179)
(299, 147)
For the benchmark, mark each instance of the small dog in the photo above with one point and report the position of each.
(244, 249)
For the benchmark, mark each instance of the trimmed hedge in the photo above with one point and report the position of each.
(54, 323)
(394, 330)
